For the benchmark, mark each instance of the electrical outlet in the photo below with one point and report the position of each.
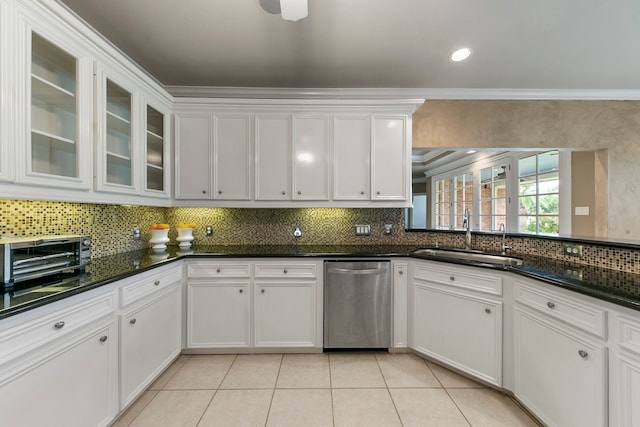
(136, 233)
(363, 230)
(208, 230)
(572, 250)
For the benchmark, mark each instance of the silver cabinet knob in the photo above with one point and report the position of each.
(204, 191)
(217, 270)
(284, 192)
(401, 272)
(378, 193)
(59, 325)
(487, 310)
(103, 338)
(133, 321)
(262, 291)
(551, 305)
(219, 191)
(299, 193)
(285, 271)
(362, 193)
(156, 283)
(583, 354)
(452, 278)
(241, 291)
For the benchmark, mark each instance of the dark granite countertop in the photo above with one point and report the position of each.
(609, 285)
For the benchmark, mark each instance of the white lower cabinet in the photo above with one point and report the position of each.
(560, 374)
(626, 368)
(218, 314)
(457, 318)
(285, 314)
(149, 340)
(254, 304)
(64, 372)
(459, 329)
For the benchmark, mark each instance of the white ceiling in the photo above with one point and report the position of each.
(535, 44)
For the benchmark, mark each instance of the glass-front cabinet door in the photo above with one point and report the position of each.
(117, 117)
(156, 145)
(55, 110)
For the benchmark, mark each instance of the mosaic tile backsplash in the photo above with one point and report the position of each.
(111, 228)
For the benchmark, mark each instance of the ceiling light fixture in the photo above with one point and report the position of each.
(290, 10)
(461, 54)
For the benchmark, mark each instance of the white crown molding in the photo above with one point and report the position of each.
(402, 93)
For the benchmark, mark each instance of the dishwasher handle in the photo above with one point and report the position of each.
(357, 271)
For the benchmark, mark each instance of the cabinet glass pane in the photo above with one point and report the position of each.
(155, 144)
(118, 135)
(53, 109)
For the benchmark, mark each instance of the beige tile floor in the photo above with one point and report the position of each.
(334, 389)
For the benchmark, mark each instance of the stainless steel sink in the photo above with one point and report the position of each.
(463, 255)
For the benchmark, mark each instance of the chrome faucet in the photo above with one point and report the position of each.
(505, 248)
(466, 223)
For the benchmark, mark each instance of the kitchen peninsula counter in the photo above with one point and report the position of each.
(610, 285)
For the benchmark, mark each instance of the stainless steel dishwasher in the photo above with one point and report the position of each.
(357, 304)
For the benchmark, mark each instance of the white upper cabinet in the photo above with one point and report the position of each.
(294, 153)
(117, 117)
(6, 88)
(232, 168)
(391, 158)
(273, 157)
(351, 157)
(156, 140)
(193, 136)
(54, 109)
(311, 157)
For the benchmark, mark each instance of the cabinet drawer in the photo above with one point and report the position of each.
(286, 270)
(459, 278)
(148, 285)
(209, 270)
(52, 326)
(573, 311)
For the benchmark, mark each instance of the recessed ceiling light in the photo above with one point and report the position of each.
(460, 54)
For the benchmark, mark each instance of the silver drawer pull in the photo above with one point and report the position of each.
(133, 321)
(59, 325)
(452, 278)
(487, 310)
(583, 354)
(103, 338)
(551, 305)
(157, 282)
(217, 270)
(401, 272)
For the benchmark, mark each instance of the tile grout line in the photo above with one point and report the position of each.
(333, 415)
(273, 392)
(393, 402)
(217, 389)
(446, 391)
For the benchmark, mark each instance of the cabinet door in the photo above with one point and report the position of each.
(273, 157)
(559, 375)
(218, 314)
(117, 139)
(629, 376)
(232, 157)
(7, 97)
(351, 157)
(285, 314)
(311, 162)
(459, 329)
(55, 112)
(193, 156)
(156, 155)
(150, 340)
(390, 158)
(71, 383)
